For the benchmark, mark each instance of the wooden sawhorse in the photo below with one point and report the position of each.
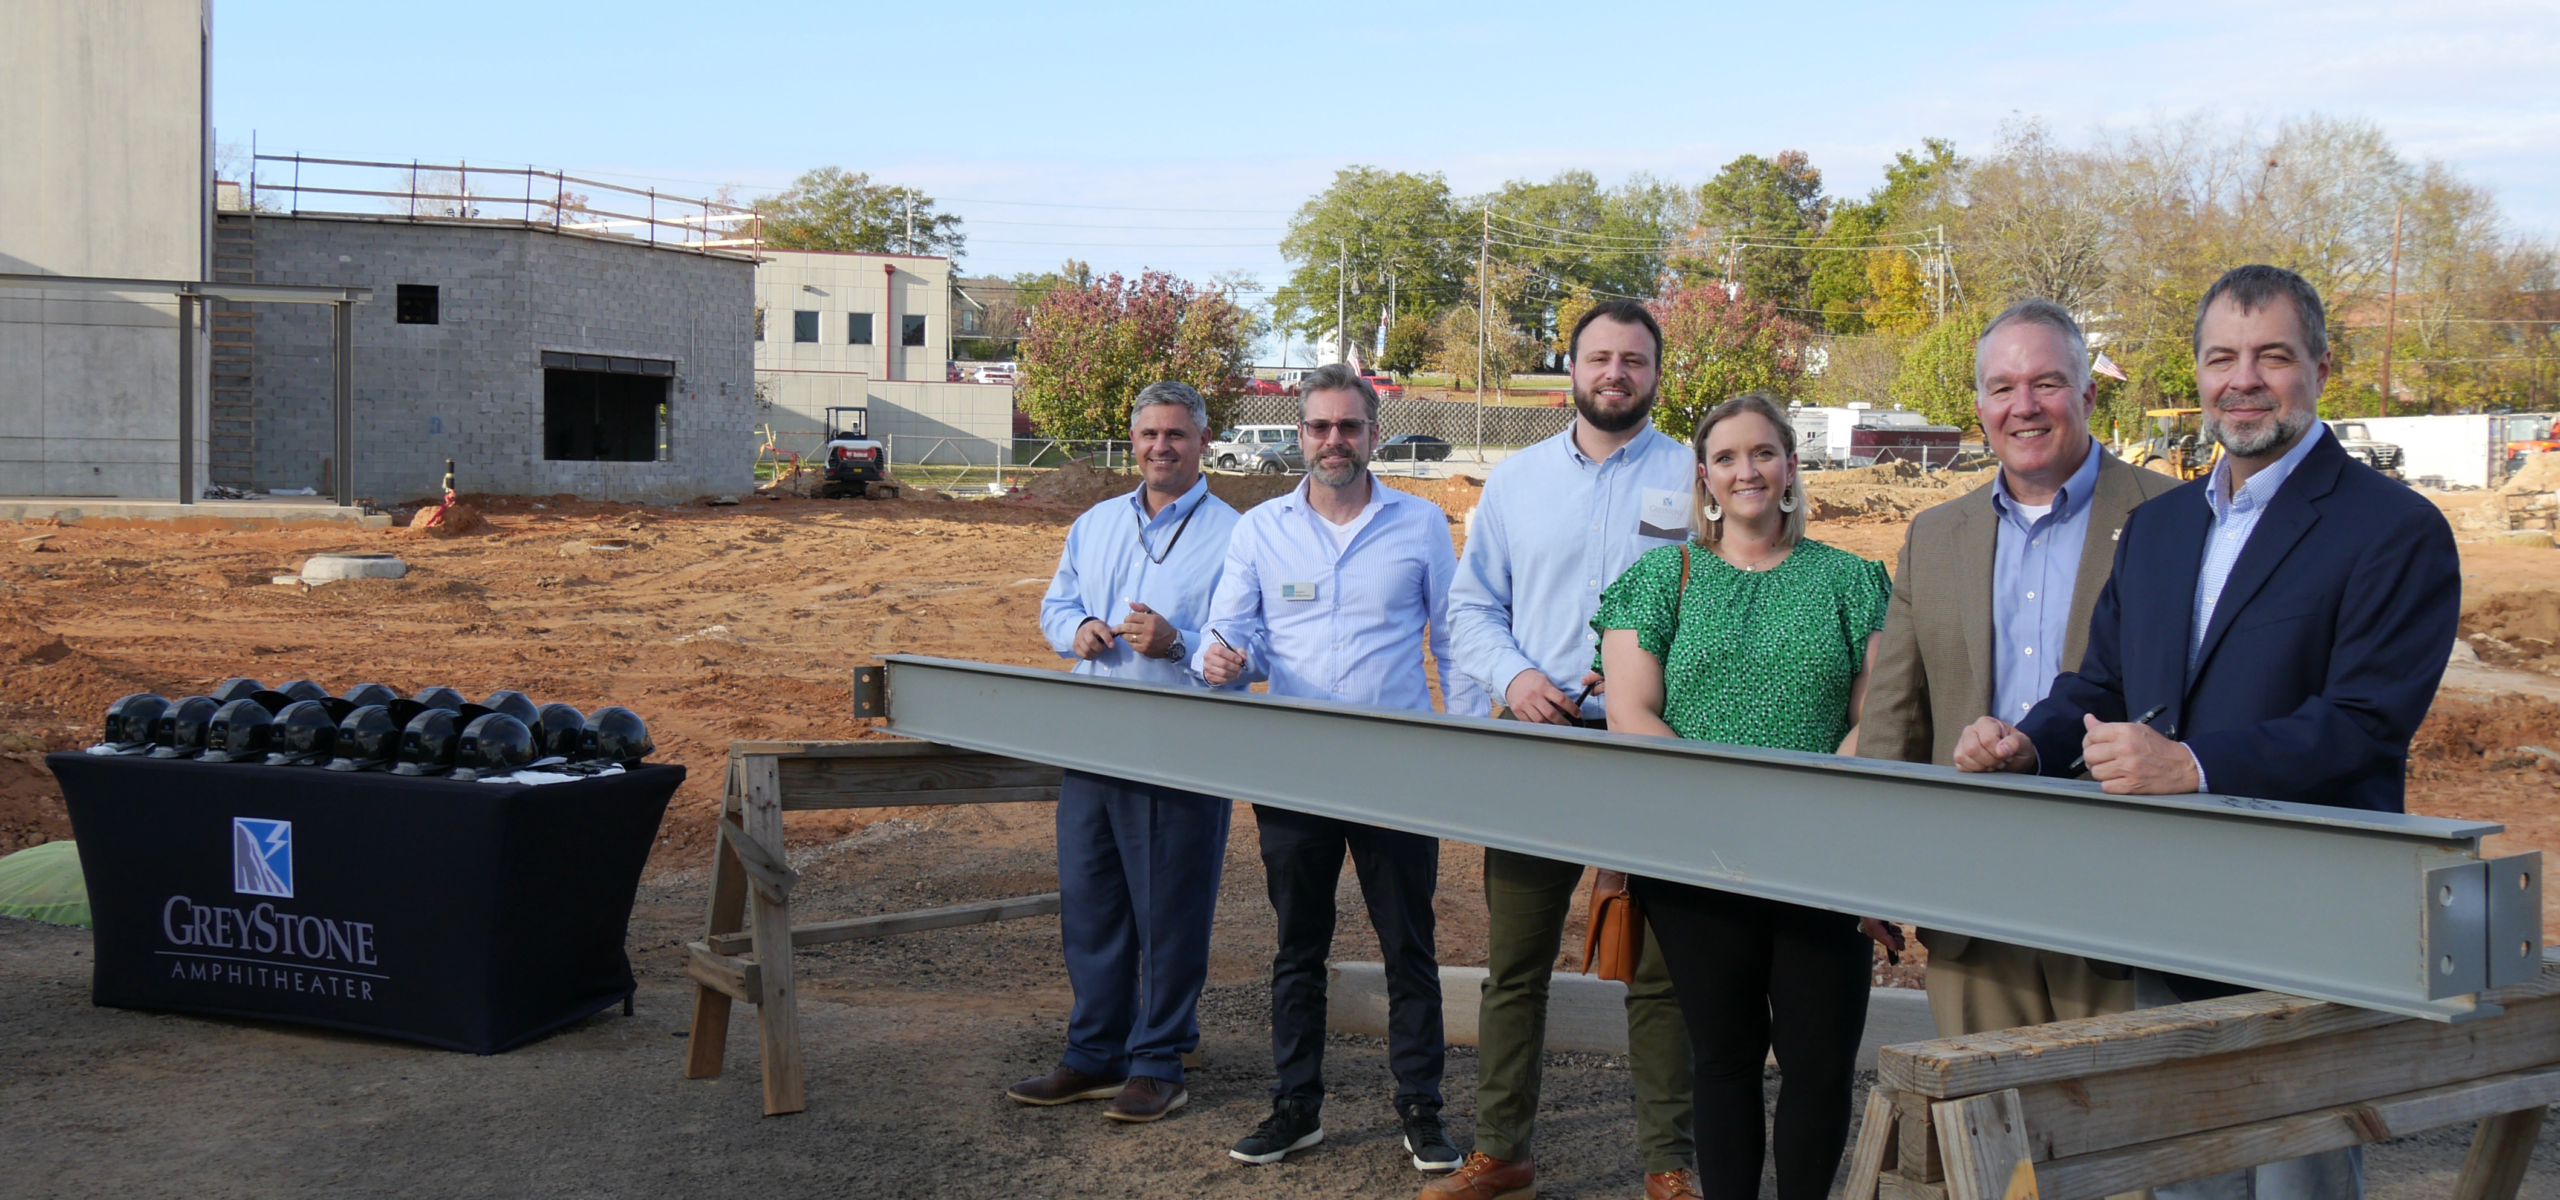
(2082, 1109)
(745, 952)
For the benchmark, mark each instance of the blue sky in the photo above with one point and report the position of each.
(1181, 136)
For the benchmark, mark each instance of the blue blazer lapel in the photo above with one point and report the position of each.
(2289, 516)
(2168, 586)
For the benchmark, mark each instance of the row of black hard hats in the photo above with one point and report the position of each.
(372, 728)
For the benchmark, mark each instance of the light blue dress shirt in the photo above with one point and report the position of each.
(1552, 530)
(2035, 565)
(1342, 624)
(2235, 517)
(1109, 561)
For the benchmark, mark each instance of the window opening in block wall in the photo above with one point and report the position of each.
(416, 304)
(804, 326)
(857, 329)
(759, 322)
(911, 331)
(606, 408)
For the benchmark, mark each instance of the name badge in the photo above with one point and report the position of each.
(1663, 513)
(1297, 591)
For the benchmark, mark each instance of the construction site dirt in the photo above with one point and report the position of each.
(725, 623)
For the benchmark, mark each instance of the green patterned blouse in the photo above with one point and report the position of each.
(1760, 658)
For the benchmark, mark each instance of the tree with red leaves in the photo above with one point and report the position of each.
(1715, 347)
(1091, 348)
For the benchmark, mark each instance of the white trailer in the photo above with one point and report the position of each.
(2456, 451)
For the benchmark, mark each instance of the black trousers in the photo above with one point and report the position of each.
(1302, 859)
(1755, 975)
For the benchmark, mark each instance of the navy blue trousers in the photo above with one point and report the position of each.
(1138, 870)
(1302, 858)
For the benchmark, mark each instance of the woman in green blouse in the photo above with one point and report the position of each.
(1767, 644)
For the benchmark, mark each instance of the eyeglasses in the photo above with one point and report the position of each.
(1326, 429)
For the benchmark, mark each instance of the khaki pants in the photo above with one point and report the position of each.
(1994, 985)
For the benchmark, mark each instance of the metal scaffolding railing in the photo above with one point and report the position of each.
(300, 185)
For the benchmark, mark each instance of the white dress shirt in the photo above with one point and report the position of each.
(1111, 558)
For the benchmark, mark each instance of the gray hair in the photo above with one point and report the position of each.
(2050, 315)
(2251, 287)
(1337, 377)
(1171, 392)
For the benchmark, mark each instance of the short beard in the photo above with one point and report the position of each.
(1342, 478)
(1614, 422)
(2280, 430)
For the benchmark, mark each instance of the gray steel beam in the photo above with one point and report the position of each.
(2333, 904)
(257, 293)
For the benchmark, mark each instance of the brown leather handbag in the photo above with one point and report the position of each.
(1614, 941)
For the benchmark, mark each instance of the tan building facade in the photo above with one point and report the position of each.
(874, 331)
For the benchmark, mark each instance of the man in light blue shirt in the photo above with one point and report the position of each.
(1329, 593)
(1557, 524)
(1138, 865)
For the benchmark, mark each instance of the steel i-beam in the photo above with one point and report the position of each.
(2380, 910)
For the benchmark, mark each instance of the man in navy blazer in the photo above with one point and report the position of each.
(2282, 624)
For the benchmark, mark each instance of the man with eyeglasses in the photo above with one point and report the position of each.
(1138, 865)
(1329, 593)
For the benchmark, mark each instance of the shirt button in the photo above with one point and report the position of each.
(1595, 583)
(2029, 651)
(2023, 706)
(2031, 595)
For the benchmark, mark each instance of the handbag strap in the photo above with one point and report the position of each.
(1684, 586)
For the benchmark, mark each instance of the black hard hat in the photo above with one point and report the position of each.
(495, 744)
(440, 697)
(129, 721)
(304, 689)
(272, 700)
(239, 732)
(179, 733)
(513, 703)
(561, 733)
(305, 734)
(370, 693)
(402, 712)
(367, 739)
(235, 688)
(616, 734)
(427, 744)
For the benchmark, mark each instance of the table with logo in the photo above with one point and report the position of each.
(471, 915)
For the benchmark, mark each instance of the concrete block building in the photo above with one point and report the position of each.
(539, 361)
(874, 331)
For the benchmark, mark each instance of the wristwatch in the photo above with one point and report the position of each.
(1177, 653)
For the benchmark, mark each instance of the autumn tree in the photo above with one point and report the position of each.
(831, 208)
(1092, 346)
(1763, 213)
(1936, 379)
(1410, 346)
(1716, 347)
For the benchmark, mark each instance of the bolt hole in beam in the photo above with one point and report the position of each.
(2335, 904)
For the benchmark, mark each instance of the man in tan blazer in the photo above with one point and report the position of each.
(1991, 600)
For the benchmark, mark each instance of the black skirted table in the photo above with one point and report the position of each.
(474, 916)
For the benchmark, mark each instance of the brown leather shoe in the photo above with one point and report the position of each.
(1066, 1085)
(1672, 1185)
(1146, 1099)
(1484, 1177)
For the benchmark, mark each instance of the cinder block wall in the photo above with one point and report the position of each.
(469, 388)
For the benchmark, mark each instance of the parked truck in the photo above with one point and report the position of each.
(1860, 436)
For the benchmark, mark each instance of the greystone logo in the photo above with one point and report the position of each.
(264, 946)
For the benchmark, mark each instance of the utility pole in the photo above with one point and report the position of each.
(1484, 329)
(909, 246)
(2390, 315)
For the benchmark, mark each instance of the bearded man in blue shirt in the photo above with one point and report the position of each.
(1327, 593)
(1138, 865)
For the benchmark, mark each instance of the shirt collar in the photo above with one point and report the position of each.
(1380, 495)
(2261, 488)
(1573, 449)
(2069, 499)
(1175, 511)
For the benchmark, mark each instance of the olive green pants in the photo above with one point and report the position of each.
(1526, 899)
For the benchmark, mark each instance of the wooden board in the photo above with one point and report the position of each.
(1987, 1062)
(778, 1017)
(1916, 1140)
(1874, 1147)
(2500, 1151)
(707, 1046)
(903, 779)
(1984, 1142)
(982, 912)
(736, 978)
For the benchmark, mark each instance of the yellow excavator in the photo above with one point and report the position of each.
(2179, 450)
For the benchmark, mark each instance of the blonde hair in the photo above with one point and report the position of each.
(1791, 526)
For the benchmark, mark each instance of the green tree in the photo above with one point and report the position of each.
(1575, 237)
(1092, 346)
(1936, 379)
(1763, 213)
(1855, 292)
(1716, 347)
(831, 208)
(1409, 346)
(1385, 237)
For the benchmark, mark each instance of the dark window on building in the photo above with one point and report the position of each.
(759, 322)
(417, 304)
(911, 331)
(605, 408)
(804, 326)
(857, 329)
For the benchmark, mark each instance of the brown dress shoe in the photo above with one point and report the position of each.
(1146, 1099)
(1066, 1085)
(1672, 1185)
(1484, 1177)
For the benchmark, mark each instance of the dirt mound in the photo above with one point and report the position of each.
(1075, 485)
(2515, 629)
(1890, 491)
(2540, 473)
(2466, 734)
(27, 644)
(458, 520)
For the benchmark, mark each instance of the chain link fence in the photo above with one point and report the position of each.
(1504, 425)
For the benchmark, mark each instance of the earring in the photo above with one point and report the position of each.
(1787, 499)
(1715, 511)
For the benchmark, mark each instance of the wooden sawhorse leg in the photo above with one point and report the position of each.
(751, 886)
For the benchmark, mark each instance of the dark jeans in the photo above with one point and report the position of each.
(1302, 857)
(1754, 975)
(1138, 870)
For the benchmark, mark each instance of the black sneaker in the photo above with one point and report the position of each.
(1426, 1141)
(1291, 1126)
